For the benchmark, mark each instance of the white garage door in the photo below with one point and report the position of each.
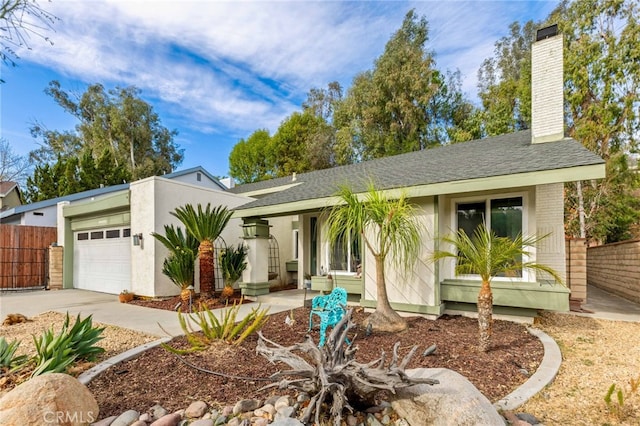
(102, 260)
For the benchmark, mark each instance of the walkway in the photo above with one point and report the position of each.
(609, 306)
(106, 308)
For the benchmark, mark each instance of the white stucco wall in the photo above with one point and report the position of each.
(152, 200)
(416, 287)
(46, 216)
(282, 230)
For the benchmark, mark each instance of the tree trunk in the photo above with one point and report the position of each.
(384, 318)
(485, 314)
(205, 253)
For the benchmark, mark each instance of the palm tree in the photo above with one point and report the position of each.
(175, 239)
(179, 267)
(233, 263)
(388, 227)
(205, 225)
(488, 255)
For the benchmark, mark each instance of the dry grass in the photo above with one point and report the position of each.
(596, 354)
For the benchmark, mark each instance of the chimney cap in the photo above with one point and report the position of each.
(547, 32)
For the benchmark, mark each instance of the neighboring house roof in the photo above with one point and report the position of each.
(496, 156)
(194, 170)
(71, 197)
(6, 187)
(99, 191)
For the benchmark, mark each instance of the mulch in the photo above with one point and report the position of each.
(160, 377)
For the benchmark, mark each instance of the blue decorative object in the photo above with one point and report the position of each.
(330, 308)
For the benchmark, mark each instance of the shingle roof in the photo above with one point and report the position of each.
(6, 186)
(495, 156)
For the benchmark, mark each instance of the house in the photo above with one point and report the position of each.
(106, 232)
(513, 183)
(9, 195)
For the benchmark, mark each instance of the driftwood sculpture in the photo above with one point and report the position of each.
(330, 374)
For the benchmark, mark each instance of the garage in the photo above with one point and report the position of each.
(102, 259)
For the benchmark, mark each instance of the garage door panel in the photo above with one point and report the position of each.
(102, 260)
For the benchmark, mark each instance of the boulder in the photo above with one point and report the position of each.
(454, 401)
(54, 398)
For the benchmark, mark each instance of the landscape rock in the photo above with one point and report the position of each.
(56, 395)
(157, 412)
(454, 401)
(196, 410)
(285, 412)
(283, 401)
(202, 422)
(168, 420)
(287, 422)
(105, 422)
(245, 405)
(138, 423)
(127, 418)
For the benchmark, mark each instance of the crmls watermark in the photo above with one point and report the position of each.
(61, 417)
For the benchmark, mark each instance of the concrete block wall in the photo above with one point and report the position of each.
(576, 258)
(616, 268)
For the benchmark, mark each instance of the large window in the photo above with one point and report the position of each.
(502, 215)
(344, 255)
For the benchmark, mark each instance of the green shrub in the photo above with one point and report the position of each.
(216, 328)
(54, 353)
(8, 358)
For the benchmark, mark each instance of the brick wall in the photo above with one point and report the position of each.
(550, 221)
(576, 257)
(616, 268)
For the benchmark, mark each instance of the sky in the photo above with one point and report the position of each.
(217, 71)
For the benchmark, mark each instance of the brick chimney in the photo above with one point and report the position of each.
(547, 86)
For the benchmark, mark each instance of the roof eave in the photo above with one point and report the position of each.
(569, 174)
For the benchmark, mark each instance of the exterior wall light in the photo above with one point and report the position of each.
(137, 239)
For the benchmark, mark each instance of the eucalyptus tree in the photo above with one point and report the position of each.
(117, 120)
(389, 229)
(252, 160)
(602, 98)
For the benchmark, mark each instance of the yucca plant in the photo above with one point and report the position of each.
(233, 263)
(9, 361)
(222, 328)
(54, 353)
(205, 225)
(179, 267)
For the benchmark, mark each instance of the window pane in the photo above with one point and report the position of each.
(338, 260)
(506, 221)
(470, 216)
(506, 217)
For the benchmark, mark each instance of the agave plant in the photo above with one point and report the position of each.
(8, 358)
(233, 263)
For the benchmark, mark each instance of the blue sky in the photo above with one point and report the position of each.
(217, 71)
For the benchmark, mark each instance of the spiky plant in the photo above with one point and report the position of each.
(205, 225)
(233, 263)
(179, 267)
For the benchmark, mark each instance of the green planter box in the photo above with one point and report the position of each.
(257, 228)
(292, 266)
(353, 285)
(319, 283)
(530, 295)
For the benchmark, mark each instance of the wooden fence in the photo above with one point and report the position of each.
(24, 256)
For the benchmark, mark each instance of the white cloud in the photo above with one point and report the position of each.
(246, 65)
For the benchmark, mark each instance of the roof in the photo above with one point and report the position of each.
(496, 156)
(194, 170)
(100, 191)
(71, 197)
(6, 187)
